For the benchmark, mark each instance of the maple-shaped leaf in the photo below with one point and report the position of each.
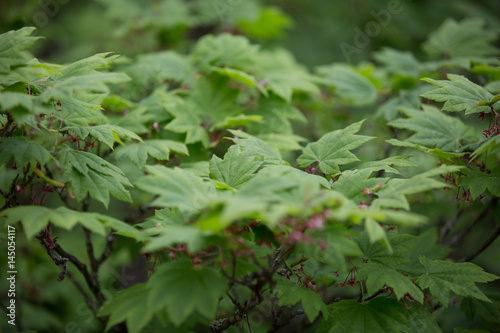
(433, 151)
(107, 134)
(398, 62)
(489, 311)
(130, 305)
(393, 193)
(241, 77)
(492, 144)
(12, 46)
(435, 129)
(421, 320)
(206, 108)
(176, 188)
(377, 253)
(35, 218)
(256, 147)
(22, 151)
(236, 168)
(282, 75)
(478, 182)
(467, 39)
(190, 291)
(158, 149)
(443, 277)
(10, 99)
(352, 183)
(459, 94)
(289, 293)
(380, 315)
(387, 164)
(87, 173)
(350, 85)
(377, 276)
(224, 50)
(333, 149)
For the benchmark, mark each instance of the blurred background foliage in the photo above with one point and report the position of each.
(313, 31)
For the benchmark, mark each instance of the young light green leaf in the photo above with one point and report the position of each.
(158, 149)
(22, 151)
(478, 182)
(352, 184)
(256, 147)
(88, 173)
(393, 193)
(35, 218)
(380, 315)
(190, 290)
(459, 94)
(349, 84)
(442, 276)
(282, 75)
(490, 144)
(332, 149)
(176, 188)
(398, 62)
(289, 293)
(435, 129)
(388, 165)
(107, 134)
(377, 276)
(467, 39)
(12, 45)
(433, 151)
(237, 167)
(130, 305)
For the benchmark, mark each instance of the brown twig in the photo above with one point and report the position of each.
(483, 247)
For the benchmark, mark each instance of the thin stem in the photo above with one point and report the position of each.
(483, 247)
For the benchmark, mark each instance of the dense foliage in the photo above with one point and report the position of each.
(226, 187)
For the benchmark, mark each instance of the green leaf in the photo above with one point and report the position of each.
(237, 167)
(176, 188)
(376, 253)
(88, 173)
(442, 276)
(12, 44)
(466, 39)
(473, 308)
(9, 100)
(170, 235)
(490, 144)
(393, 193)
(282, 75)
(35, 218)
(380, 315)
(388, 165)
(436, 152)
(256, 146)
(289, 293)
(224, 50)
(435, 129)
(158, 149)
(377, 276)
(421, 320)
(332, 149)
(183, 290)
(478, 182)
(208, 106)
(352, 184)
(107, 134)
(398, 62)
(130, 305)
(22, 151)
(241, 77)
(270, 24)
(350, 85)
(459, 94)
